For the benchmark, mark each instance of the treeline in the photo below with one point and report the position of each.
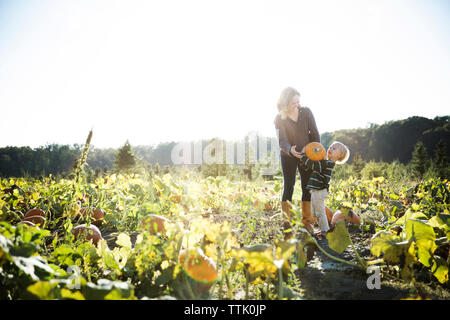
(391, 141)
(394, 140)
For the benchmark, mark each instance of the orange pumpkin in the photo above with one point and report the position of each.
(154, 223)
(256, 203)
(268, 206)
(315, 151)
(35, 212)
(329, 214)
(97, 215)
(351, 218)
(197, 265)
(87, 233)
(176, 198)
(37, 220)
(28, 223)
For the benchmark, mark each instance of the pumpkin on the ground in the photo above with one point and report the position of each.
(37, 220)
(87, 233)
(28, 223)
(329, 214)
(351, 217)
(197, 265)
(154, 223)
(97, 215)
(35, 212)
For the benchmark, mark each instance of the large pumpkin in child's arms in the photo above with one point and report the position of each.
(315, 151)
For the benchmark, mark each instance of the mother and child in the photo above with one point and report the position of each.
(296, 127)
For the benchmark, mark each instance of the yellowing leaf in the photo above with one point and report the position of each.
(409, 214)
(123, 240)
(43, 290)
(389, 244)
(339, 239)
(67, 294)
(423, 235)
(259, 259)
(440, 269)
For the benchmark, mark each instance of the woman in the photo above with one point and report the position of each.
(296, 128)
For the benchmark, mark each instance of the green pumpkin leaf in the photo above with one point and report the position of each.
(43, 290)
(440, 269)
(107, 289)
(409, 214)
(123, 240)
(259, 258)
(67, 294)
(36, 267)
(166, 276)
(339, 239)
(391, 245)
(424, 237)
(441, 221)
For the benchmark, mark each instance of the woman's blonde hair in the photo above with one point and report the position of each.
(285, 99)
(345, 152)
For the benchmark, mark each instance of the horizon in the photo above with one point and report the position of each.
(152, 72)
(250, 133)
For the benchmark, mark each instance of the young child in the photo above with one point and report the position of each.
(319, 180)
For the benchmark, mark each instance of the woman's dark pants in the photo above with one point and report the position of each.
(289, 166)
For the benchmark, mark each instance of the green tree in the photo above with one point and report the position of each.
(125, 158)
(358, 164)
(440, 159)
(419, 161)
(373, 170)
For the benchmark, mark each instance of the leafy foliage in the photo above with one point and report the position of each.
(234, 223)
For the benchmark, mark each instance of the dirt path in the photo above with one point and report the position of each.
(324, 278)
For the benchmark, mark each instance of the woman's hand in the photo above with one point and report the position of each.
(295, 153)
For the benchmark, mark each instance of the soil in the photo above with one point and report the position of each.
(326, 279)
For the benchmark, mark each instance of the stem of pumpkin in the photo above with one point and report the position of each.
(369, 263)
(230, 290)
(246, 284)
(336, 258)
(361, 261)
(280, 284)
(221, 278)
(189, 289)
(268, 285)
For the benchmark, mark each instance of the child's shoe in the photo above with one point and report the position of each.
(319, 234)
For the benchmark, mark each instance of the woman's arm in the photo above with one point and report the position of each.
(283, 142)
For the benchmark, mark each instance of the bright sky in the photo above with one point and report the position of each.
(177, 70)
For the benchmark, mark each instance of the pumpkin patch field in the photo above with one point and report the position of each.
(180, 235)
